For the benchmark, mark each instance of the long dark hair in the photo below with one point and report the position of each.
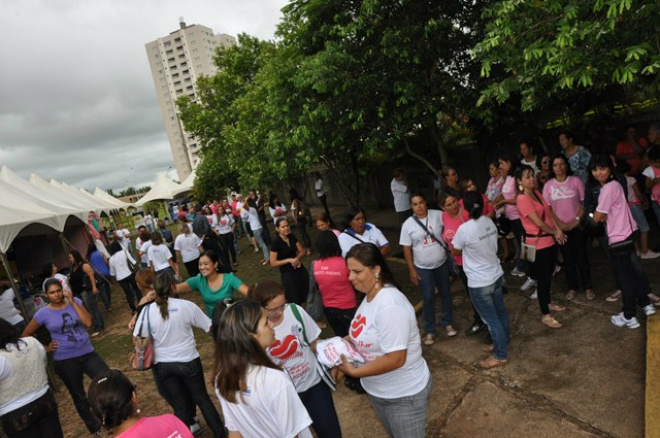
(236, 348)
(8, 335)
(520, 172)
(369, 255)
(327, 245)
(77, 257)
(473, 203)
(601, 160)
(351, 212)
(111, 398)
(214, 257)
(163, 285)
(509, 158)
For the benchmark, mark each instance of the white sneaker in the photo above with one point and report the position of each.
(528, 284)
(650, 255)
(557, 269)
(517, 272)
(535, 295)
(429, 339)
(620, 321)
(649, 310)
(196, 429)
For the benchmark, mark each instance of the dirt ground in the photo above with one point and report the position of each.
(584, 380)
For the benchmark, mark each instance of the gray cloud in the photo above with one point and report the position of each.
(78, 103)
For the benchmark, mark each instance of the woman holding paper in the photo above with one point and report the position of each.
(385, 332)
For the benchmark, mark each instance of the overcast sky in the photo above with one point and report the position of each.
(77, 102)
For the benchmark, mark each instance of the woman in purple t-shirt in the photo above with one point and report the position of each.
(565, 193)
(620, 227)
(65, 317)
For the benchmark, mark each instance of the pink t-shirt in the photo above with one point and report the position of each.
(509, 192)
(620, 223)
(526, 206)
(450, 227)
(331, 275)
(158, 427)
(565, 198)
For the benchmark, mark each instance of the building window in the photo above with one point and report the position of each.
(167, 43)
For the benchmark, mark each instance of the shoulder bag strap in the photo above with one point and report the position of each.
(296, 313)
(440, 241)
(352, 234)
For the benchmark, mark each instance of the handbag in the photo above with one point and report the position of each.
(134, 267)
(453, 267)
(142, 356)
(323, 370)
(314, 304)
(527, 252)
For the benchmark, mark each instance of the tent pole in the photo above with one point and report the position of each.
(14, 286)
(66, 249)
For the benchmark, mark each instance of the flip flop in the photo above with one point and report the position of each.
(493, 362)
(556, 307)
(550, 322)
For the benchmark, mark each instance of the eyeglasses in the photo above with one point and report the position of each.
(275, 309)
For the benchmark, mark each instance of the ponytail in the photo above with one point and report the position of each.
(163, 285)
(473, 202)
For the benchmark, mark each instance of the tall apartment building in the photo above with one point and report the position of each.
(177, 61)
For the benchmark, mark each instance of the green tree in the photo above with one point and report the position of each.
(595, 51)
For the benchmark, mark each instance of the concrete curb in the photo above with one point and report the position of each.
(652, 404)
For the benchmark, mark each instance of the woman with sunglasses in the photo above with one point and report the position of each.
(296, 335)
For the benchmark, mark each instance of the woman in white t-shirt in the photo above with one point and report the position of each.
(188, 246)
(258, 400)
(160, 257)
(384, 330)
(256, 227)
(225, 227)
(476, 242)
(177, 370)
(296, 335)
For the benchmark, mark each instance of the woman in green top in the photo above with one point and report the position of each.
(211, 283)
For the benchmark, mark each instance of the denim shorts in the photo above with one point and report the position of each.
(640, 218)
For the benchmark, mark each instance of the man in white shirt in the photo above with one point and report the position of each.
(318, 186)
(401, 195)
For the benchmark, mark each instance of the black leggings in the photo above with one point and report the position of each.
(296, 285)
(542, 268)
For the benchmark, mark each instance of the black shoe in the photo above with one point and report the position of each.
(477, 327)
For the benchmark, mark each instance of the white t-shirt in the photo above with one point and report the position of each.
(119, 265)
(143, 247)
(270, 408)
(188, 245)
(124, 237)
(427, 252)
(531, 164)
(224, 224)
(371, 234)
(318, 186)
(8, 311)
(159, 256)
(64, 281)
(478, 241)
(290, 351)
(174, 340)
(33, 364)
(253, 218)
(276, 211)
(384, 325)
(401, 195)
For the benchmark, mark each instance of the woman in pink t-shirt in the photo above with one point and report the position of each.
(621, 228)
(542, 228)
(565, 194)
(114, 402)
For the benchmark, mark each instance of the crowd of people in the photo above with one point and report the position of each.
(266, 374)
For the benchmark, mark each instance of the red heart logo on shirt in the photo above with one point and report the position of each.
(358, 325)
(285, 348)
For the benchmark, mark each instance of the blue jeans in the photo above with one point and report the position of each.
(182, 382)
(429, 280)
(258, 236)
(104, 293)
(404, 417)
(71, 372)
(321, 408)
(656, 211)
(489, 303)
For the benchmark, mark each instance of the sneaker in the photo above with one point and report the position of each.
(518, 273)
(528, 284)
(429, 339)
(557, 269)
(451, 331)
(620, 321)
(196, 429)
(534, 295)
(649, 310)
(650, 255)
(256, 250)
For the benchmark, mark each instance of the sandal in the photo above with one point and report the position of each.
(570, 295)
(590, 294)
(614, 297)
(550, 322)
(556, 307)
(492, 362)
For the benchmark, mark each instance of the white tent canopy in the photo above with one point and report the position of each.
(189, 182)
(107, 197)
(163, 189)
(61, 192)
